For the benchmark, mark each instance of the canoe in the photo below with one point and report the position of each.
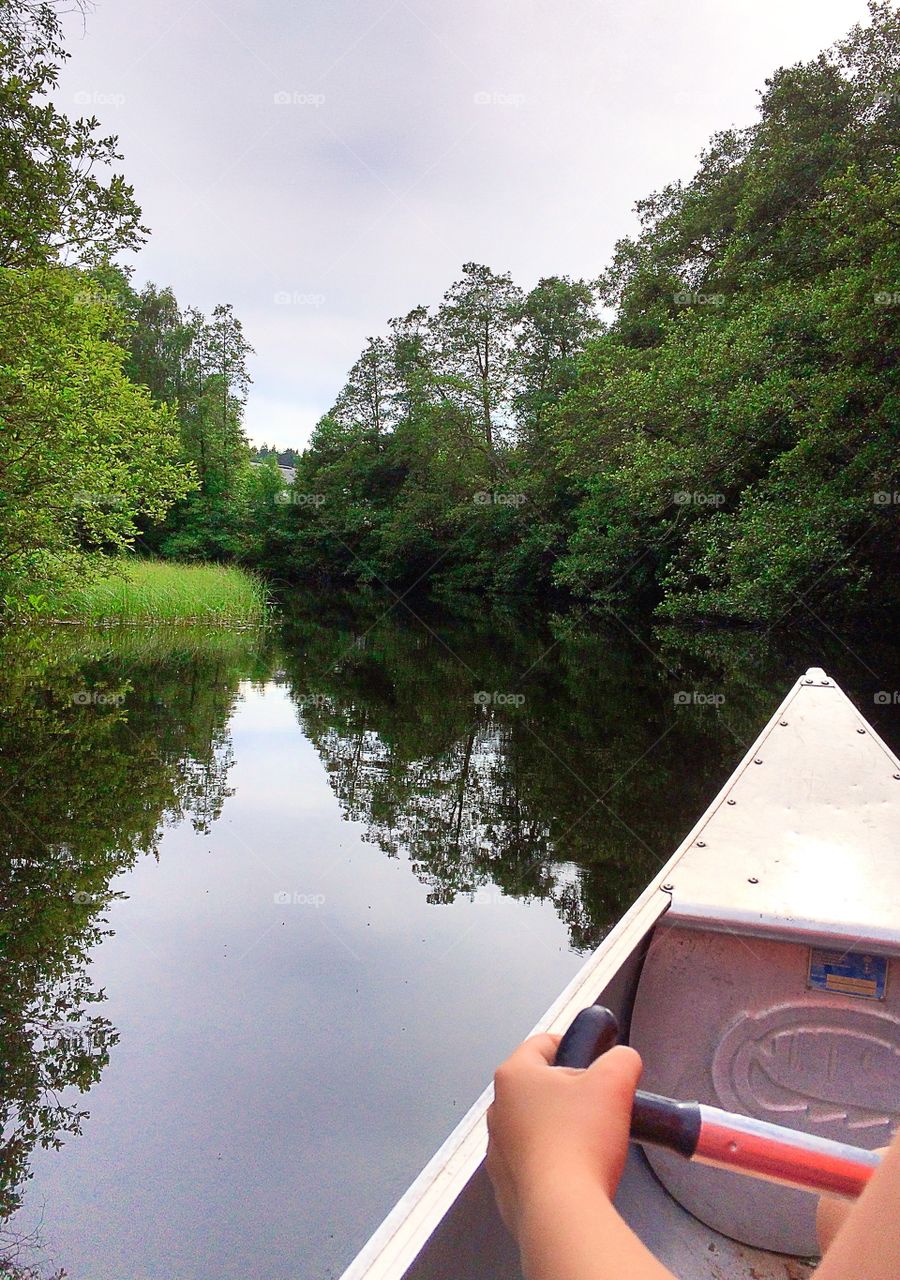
(752, 974)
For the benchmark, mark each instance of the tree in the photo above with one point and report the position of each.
(85, 455)
(198, 368)
(555, 321)
(369, 396)
(472, 337)
(57, 202)
(227, 361)
(726, 446)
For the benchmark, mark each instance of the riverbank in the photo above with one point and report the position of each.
(151, 592)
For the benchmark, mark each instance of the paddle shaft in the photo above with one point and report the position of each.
(721, 1138)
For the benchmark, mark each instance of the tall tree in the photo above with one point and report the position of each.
(85, 455)
(554, 322)
(370, 395)
(59, 197)
(228, 351)
(472, 333)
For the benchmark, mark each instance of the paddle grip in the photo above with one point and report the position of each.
(591, 1033)
(659, 1122)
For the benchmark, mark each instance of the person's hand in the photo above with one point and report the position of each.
(831, 1212)
(554, 1129)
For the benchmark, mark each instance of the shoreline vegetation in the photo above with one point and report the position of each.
(154, 593)
(704, 432)
(724, 450)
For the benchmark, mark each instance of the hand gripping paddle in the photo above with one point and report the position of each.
(722, 1138)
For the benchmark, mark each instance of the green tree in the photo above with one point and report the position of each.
(85, 455)
(473, 350)
(58, 199)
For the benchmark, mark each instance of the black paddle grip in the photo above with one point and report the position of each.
(656, 1121)
(592, 1032)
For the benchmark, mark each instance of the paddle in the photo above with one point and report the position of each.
(722, 1138)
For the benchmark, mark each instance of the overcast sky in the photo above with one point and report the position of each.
(326, 165)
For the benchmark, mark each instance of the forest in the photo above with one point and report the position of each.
(706, 431)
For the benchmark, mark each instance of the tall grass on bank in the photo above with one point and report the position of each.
(150, 592)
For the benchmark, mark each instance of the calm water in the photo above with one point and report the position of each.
(279, 905)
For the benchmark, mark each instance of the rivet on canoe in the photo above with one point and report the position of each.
(701, 844)
(860, 730)
(897, 776)
(668, 886)
(783, 723)
(807, 681)
(752, 880)
(731, 802)
(757, 760)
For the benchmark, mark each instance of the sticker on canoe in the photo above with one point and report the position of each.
(848, 973)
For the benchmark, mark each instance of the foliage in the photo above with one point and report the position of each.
(121, 413)
(57, 202)
(197, 367)
(727, 447)
(85, 455)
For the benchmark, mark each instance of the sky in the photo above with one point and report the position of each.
(326, 165)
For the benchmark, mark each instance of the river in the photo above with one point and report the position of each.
(273, 906)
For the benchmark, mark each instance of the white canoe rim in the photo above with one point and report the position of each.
(795, 858)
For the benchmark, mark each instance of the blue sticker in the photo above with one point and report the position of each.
(848, 973)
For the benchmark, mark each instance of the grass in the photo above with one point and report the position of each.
(151, 592)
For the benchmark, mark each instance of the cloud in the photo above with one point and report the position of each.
(360, 153)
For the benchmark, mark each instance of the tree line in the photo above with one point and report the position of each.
(121, 411)
(708, 430)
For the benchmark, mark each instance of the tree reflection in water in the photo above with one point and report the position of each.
(103, 739)
(555, 762)
(560, 762)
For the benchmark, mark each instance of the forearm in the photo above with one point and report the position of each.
(575, 1233)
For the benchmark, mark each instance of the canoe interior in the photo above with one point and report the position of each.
(471, 1242)
(712, 973)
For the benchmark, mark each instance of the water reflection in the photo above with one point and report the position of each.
(548, 764)
(103, 739)
(552, 762)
